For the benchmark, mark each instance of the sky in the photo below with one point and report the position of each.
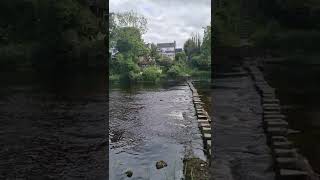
(168, 20)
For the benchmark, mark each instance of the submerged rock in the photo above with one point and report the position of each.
(161, 164)
(129, 173)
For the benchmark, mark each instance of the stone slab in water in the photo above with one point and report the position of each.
(206, 129)
(271, 105)
(203, 121)
(202, 117)
(276, 131)
(207, 136)
(277, 123)
(282, 145)
(290, 174)
(279, 138)
(284, 152)
(287, 162)
(274, 116)
(205, 124)
(270, 100)
(271, 113)
(209, 143)
(268, 96)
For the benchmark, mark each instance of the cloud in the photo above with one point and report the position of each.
(168, 20)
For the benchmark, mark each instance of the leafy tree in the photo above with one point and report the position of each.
(190, 48)
(131, 19)
(165, 62)
(206, 43)
(180, 56)
(130, 42)
(154, 53)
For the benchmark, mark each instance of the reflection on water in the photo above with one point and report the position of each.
(149, 123)
(298, 88)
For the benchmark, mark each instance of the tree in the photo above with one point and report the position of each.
(180, 56)
(206, 43)
(154, 53)
(129, 41)
(130, 19)
(189, 48)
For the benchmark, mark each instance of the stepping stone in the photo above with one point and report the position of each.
(290, 174)
(207, 124)
(274, 116)
(285, 152)
(202, 121)
(268, 96)
(276, 109)
(270, 100)
(279, 138)
(206, 129)
(198, 102)
(202, 117)
(287, 162)
(200, 111)
(282, 145)
(292, 131)
(198, 106)
(276, 131)
(207, 136)
(271, 113)
(209, 143)
(271, 105)
(277, 123)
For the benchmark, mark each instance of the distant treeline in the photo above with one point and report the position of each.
(285, 26)
(50, 34)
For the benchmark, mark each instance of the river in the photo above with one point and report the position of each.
(149, 123)
(53, 125)
(297, 87)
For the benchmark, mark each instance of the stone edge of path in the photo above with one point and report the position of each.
(203, 119)
(288, 163)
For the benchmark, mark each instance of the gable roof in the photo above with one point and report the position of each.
(164, 45)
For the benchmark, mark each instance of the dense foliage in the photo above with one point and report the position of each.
(132, 60)
(50, 33)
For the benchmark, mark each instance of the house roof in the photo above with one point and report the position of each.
(164, 45)
(178, 49)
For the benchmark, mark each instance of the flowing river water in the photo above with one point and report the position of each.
(149, 123)
(53, 126)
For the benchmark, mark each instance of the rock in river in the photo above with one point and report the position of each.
(129, 173)
(161, 164)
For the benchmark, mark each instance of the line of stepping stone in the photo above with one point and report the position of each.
(204, 120)
(287, 163)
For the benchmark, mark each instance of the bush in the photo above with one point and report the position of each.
(201, 62)
(151, 73)
(178, 70)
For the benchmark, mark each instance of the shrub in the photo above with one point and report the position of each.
(151, 73)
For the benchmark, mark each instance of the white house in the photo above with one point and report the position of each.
(167, 49)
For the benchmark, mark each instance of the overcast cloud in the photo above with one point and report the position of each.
(168, 20)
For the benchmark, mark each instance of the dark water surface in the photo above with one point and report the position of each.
(298, 87)
(148, 124)
(53, 127)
